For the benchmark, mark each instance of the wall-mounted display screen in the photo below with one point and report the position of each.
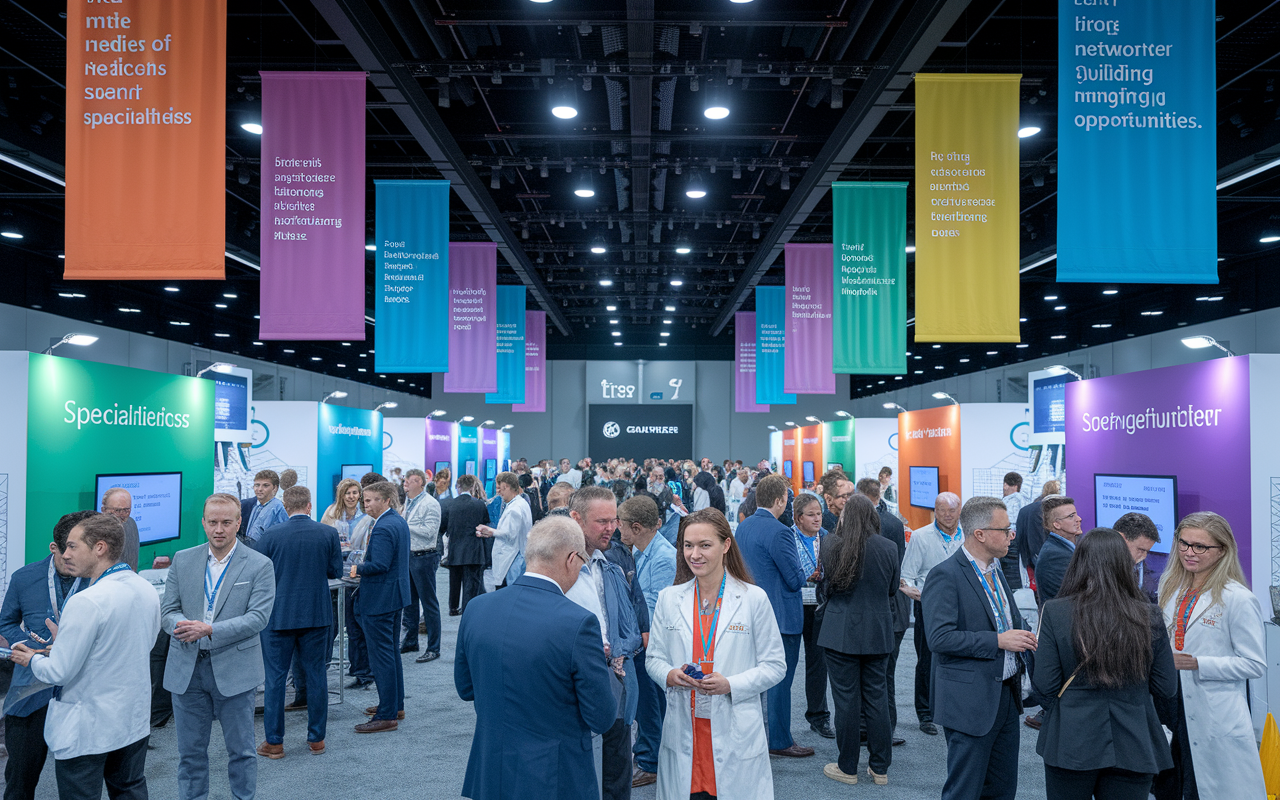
(924, 486)
(1049, 404)
(808, 472)
(356, 471)
(1153, 495)
(232, 401)
(441, 465)
(157, 502)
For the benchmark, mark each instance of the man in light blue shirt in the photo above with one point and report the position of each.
(269, 512)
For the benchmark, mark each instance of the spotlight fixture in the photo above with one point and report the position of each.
(895, 405)
(1028, 131)
(844, 414)
(945, 396)
(696, 190)
(217, 366)
(812, 419)
(773, 427)
(78, 339)
(334, 395)
(1058, 369)
(436, 413)
(388, 404)
(252, 127)
(1199, 342)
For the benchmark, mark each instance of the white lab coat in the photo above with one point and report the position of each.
(1227, 641)
(509, 537)
(748, 651)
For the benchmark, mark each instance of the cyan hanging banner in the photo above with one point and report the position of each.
(411, 298)
(1137, 147)
(511, 322)
(771, 328)
(869, 236)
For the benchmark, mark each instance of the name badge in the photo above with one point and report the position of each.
(809, 595)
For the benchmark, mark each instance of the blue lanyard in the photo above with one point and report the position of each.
(811, 560)
(211, 589)
(116, 568)
(57, 599)
(993, 596)
(949, 539)
(708, 637)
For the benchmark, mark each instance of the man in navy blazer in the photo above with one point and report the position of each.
(769, 548)
(305, 555)
(531, 660)
(384, 592)
(975, 634)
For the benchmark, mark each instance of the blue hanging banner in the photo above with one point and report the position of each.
(411, 296)
(511, 316)
(771, 328)
(1137, 157)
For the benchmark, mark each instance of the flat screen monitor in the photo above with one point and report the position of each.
(808, 471)
(1153, 495)
(356, 471)
(157, 502)
(786, 468)
(470, 468)
(834, 465)
(490, 468)
(441, 465)
(924, 486)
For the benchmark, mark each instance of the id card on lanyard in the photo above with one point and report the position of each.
(702, 702)
(55, 602)
(994, 595)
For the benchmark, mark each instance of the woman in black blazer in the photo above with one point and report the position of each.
(1103, 654)
(855, 619)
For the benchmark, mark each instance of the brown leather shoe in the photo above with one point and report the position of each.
(268, 750)
(316, 747)
(642, 778)
(296, 706)
(371, 710)
(377, 726)
(1033, 721)
(794, 751)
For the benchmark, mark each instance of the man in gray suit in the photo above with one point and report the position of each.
(217, 599)
(119, 504)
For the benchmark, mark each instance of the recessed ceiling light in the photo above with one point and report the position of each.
(1263, 240)
(911, 248)
(399, 380)
(1023, 345)
(371, 247)
(1059, 336)
(252, 127)
(343, 366)
(131, 310)
(684, 250)
(919, 372)
(564, 112)
(362, 369)
(1050, 297)
(219, 305)
(585, 192)
(964, 361)
(660, 344)
(617, 333)
(917, 358)
(992, 352)
(937, 347)
(665, 333)
(258, 343)
(617, 344)
(610, 308)
(62, 256)
(1210, 299)
(717, 111)
(180, 324)
(598, 249)
(677, 282)
(171, 288)
(315, 358)
(288, 351)
(695, 194)
(346, 344)
(606, 282)
(1022, 319)
(1030, 130)
(1102, 324)
(671, 308)
(1110, 291)
(1059, 308)
(1152, 313)
(11, 234)
(937, 366)
(230, 295)
(223, 335)
(613, 322)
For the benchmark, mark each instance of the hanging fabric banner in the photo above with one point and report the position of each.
(807, 358)
(511, 356)
(473, 318)
(313, 197)
(967, 208)
(1137, 142)
(744, 364)
(411, 298)
(869, 238)
(771, 314)
(535, 362)
(146, 153)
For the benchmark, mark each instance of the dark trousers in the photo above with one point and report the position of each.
(161, 701)
(1179, 781)
(422, 588)
(893, 671)
(295, 669)
(472, 582)
(986, 766)
(384, 659)
(455, 587)
(615, 761)
(778, 699)
(307, 649)
(651, 708)
(81, 778)
(1104, 784)
(860, 687)
(815, 673)
(357, 650)
(24, 736)
(924, 666)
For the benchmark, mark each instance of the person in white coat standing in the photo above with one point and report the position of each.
(511, 534)
(1215, 624)
(717, 621)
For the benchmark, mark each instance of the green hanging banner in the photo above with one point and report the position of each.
(869, 238)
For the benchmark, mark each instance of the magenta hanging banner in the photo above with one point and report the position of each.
(312, 200)
(473, 318)
(744, 364)
(535, 362)
(807, 367)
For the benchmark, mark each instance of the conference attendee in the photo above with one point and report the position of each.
(892, 529)
(975, 635)
(531, 662)
(1062, 531)
(701, 497)
(714, 740)
(570, 474)
(119, 504)
(655, 558)
(929, 547)
(836, 491)
(305, 555)
(558, 500)
(860, 572)
(715, 495)
(97, 724)
(510, 534)
(532, 496)
(422, 515)
(360, 672)
(1140, 535)
(738, 486)
(1103, 651)
(384, 592)
(1215, 622)
(218, 598)
(442, 482)
(888, 494)
(289, 478)
(463, 516)
(36, 595)
(346, 511)
(1013, 500)
(809, 535)
(769, 549)
(268, 512)
(1030, 523)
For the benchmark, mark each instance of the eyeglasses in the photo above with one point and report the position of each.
(117, 510)
(580, 556)
(1008, 532)
(1072, 515)
(1196, 547)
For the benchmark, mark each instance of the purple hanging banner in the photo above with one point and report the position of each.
(442, 446)
(312, 200)
(807, 366)
(473, 318)
(744, 364)
(535, 362)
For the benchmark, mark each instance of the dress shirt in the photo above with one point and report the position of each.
(573, 477)
(588, 590)
(215, 568)
(1004, 612)
(265, 515)
(545, 578)
(928, 548)
(737, 489)
(1014, 503)
(655, 569)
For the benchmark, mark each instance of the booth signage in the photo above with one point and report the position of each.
(639, 432)
(510, 350)
(806, 365)
(869, 307)
(411, 293)
(771, 313)
(473, 318)
(744, 364)
(535, 363)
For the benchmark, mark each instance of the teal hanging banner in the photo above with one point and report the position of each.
(511, 358)
(411, 295)
(869, 313)
(771, 327)
(1137, 142)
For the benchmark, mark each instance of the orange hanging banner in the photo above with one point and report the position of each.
(146, 139)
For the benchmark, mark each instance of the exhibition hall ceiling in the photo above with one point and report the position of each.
(691, 212)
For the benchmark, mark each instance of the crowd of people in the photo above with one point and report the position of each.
(626, 624)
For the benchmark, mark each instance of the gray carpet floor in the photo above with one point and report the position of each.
(426, 758)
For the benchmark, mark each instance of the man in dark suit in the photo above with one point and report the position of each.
(1030, 527)
(891, 528)
(1141, 534)
(531, 661)
(975, 634)
(305, 555)
(769, 548)
(246, 509)
(1062, 529)
(384, 592)
(468, 553)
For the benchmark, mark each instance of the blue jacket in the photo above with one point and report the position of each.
(769, 548)
(305, 554)
(628, 617)
(655, 570)
(27, 603)
(1051, 567)
(269, 515)
(384, 573)
(531, 661)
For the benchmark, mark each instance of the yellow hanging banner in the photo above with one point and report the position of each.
(967, 208)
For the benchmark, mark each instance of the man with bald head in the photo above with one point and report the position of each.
(119, 503)
(929, 546)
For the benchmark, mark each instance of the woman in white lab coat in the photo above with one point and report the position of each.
(713, 737)
(1215, 625)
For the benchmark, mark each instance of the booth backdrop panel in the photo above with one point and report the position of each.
(404, 444)
(838, 446)
(284, 437)
(1264, 470)
(13, 466)
(808, 451)
(640, 432)
(790, 450)
(994, 444)
(877, 447)
(928, 438)
(159, 423)
(775, 451)
(442, 448)
(344, 436)
(488, 451)
(467, 457)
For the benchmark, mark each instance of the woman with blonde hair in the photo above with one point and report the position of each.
(347, 509)
(1215, 622)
